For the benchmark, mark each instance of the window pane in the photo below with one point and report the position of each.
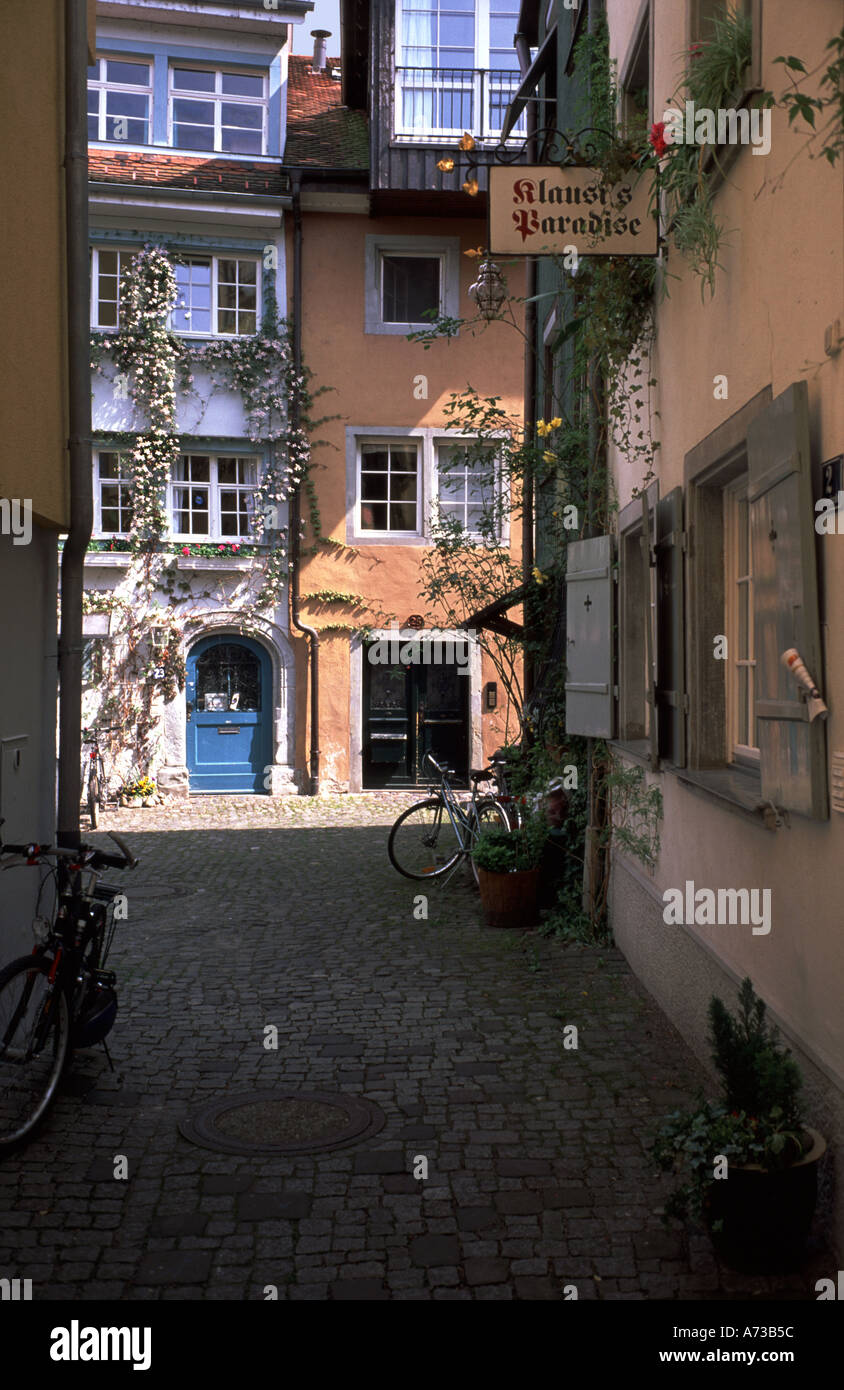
(403, 460)
(94, 71)
(110, 493)
(248, 117)
(248, 298)
(247, 321)
(193, 137)
(411, 287)
(241, 141)
(107, 315)
(193, 80)
(227, 270)
(197, 112)
(373, 487)
(403, 516)
(248, 272)
(227, 471)
(373, 516)
(403, 487)
(108, 465)
(227, 296)
(226, 321)
(93, 127)
(458, 31)
(135, 74)
(743, 731)
(200, 469)
(374, 457)
(241, 85)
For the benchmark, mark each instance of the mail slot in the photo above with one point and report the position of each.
(228, 729)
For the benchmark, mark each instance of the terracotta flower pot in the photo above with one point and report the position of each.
(509, 900)
(764, 1218)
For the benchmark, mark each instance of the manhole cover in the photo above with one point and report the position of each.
(283, 1122)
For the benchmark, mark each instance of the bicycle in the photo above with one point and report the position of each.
(97, 789)
(59, 997)
(420, 845)
(513, 805)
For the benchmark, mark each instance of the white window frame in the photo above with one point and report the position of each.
(102, 86)
(121, 454)
(214, 532)
(741, 753)
(124, 255)
(446, 249)
(215, 258)
(428, 440)
(217, 97)
(442, 442)
(481, 63)
(384, 441)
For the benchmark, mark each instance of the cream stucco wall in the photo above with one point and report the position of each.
(781, 285)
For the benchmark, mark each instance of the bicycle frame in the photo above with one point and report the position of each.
(461, 821)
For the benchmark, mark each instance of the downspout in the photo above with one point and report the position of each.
(79, 424)
(295, 501)
(528, 554)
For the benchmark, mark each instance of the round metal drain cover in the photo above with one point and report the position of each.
(283, 1122)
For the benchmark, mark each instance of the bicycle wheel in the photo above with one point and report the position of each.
(423, 842)
(489, 815)
(94, 799)
(33, 1046)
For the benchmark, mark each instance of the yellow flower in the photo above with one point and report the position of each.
(538, 575)
(548, 457)
(542, 429)
(556, 422)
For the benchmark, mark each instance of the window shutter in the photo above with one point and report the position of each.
(792, 751)
(590, 703)
(670, 629)
(646, 542)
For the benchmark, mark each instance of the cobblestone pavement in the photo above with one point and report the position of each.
(247, 912)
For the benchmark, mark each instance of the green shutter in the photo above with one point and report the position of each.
(590, 697)
(792, 751)
(671, 700)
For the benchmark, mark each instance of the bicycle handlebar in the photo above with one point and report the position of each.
(93, 858)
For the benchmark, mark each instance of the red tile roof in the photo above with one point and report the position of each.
(184, 171)
(321, 131)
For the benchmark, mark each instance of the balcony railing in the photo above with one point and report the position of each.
(432, 103)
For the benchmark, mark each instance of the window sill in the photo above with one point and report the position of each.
(370, 538)
(638, 750)
(735, 789)
(399, 330)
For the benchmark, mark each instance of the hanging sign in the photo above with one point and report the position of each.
(545, 210)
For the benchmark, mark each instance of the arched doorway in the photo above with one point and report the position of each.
(229, 715)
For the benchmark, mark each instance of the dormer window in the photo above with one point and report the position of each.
(218, 111)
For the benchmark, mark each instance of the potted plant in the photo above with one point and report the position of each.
(748, 1161)
(508, 871)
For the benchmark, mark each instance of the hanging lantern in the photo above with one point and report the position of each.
(489, 290)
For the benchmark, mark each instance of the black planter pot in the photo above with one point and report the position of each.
(764, 1218)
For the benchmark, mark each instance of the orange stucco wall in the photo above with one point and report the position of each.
(371, 377)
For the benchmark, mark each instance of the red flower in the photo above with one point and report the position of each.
(222, 549)
(657, 138)
(186, 550)
(695, 50)
(235, 549)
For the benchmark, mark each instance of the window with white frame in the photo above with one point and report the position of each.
(120, 100)
(457, 68)
(389, 487)
(216, 295)
(113, 493)
(467, 495)
(107, 267)
(218, 111)
(212, 496)
(743, 744)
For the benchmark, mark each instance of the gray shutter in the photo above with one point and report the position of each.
(646, 542)
(792, 751)
(671, 700)
(590, 703)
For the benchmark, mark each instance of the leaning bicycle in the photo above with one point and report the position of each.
(60, 997)
(433, 836)
(96, 792)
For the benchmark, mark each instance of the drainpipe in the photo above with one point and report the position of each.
(79, 424)
(528, 559)
(296, 501)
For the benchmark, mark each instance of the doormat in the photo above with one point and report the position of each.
(283, 1122)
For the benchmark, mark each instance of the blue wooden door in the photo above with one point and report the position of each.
(229, 698)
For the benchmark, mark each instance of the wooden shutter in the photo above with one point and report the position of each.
(590, 702)
(671, 698)
(792, 751)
